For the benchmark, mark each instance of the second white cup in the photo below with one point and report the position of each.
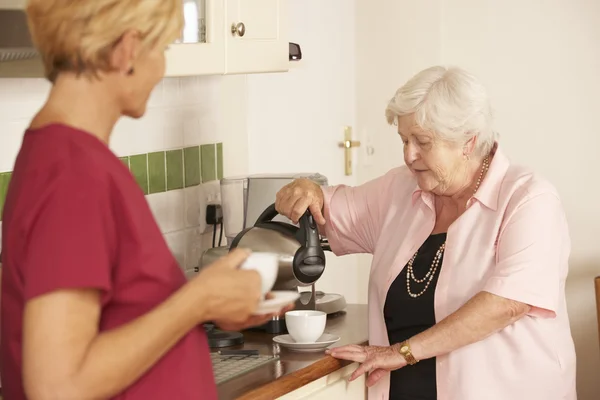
(267, 265)
(305, 326)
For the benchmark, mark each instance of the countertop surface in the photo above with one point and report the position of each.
(293, 369)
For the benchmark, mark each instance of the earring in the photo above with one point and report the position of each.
(466, 156)
(131, 71)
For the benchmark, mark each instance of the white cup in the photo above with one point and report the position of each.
(267, 265)
(305, 326)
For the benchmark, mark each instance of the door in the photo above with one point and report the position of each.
(201, 48)
(296, 120)
(256, 32)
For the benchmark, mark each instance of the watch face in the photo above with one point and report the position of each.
(404, 349)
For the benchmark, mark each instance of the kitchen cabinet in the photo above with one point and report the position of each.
(257, 39)
(231, 37)
(201, 48)
(333, 386)
(219, 37)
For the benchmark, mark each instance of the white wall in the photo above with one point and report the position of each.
(540, 61)
(182, 112)
(297, 117)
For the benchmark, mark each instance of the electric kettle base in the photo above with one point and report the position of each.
(218, 339)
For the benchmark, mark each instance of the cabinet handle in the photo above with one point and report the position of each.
(238, 29)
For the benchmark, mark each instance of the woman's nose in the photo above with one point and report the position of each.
(410, 153)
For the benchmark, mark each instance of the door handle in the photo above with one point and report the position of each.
(348, 144)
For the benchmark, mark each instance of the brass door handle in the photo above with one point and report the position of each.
(348, 144)
(238, 29)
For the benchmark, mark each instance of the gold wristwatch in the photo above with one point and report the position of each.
(404, 350)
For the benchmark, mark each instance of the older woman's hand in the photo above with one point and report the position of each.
(375, 360)
(295, 198)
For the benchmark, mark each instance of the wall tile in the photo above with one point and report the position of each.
(4, 181)
(191, 158)
(157, 179)
(125, 160)
(219, 161)
(174, 169)
(122, 140)
(156, 97)
(11, 136)
(171, 91)
(193, 211)
(168, 209)
(139, 168)
(174, 128)
(149, 134)
(208, 162)
(194, 248)
(177, 244)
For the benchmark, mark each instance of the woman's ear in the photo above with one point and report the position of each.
(125, 52)
(469, 146)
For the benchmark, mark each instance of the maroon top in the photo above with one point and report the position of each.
(75, 218)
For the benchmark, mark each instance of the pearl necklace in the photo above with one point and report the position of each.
(410, 274)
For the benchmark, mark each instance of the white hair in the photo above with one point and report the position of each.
(448, 102)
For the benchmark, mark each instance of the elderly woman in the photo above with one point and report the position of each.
(470, 255)
(94, 305)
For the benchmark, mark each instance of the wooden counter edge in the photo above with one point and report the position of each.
(296, 380)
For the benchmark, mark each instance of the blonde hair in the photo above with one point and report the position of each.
(78, 35)
(449, 102)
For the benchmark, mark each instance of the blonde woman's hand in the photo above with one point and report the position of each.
(228, 294)
(374, 360)
(254, 320)
(298, 196)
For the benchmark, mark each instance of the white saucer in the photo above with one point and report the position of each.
(321, 344)
(281, 298)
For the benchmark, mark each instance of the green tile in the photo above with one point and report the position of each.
(191, 158)
(4, 180)
(157, 178)
(219, 161)
(125, 160)
(209, 164)
(175, 169)
(139, 168)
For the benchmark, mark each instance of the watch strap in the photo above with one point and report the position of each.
(404, 350)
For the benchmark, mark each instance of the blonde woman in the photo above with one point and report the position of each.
(94, 305)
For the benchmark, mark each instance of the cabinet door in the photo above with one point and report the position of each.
(332, 386)
(257, 37)
(201, 48)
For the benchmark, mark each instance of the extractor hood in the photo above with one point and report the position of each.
(18, 57)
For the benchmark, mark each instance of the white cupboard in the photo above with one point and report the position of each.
(219, 37)
(257, 36)
(231, 37)
(333, 386)
(201, 49)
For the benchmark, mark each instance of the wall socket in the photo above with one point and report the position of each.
(210, 194)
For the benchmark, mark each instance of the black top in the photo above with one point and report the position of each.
(406, 316)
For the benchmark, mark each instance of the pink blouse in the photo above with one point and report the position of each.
(512, 241)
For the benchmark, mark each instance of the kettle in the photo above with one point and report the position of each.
(300, 249)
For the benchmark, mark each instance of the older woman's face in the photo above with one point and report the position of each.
(437, 164)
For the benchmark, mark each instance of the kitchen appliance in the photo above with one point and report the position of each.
(244, 198)
(301, 256)
(250, 220)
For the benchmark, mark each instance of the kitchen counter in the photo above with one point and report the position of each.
(294, 370)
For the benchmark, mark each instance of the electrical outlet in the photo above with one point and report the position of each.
(211, 194)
